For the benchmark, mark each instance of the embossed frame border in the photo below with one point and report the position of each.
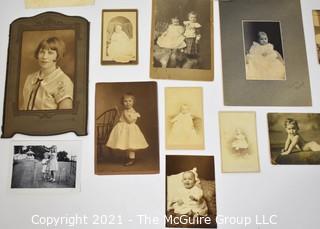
(46, 122)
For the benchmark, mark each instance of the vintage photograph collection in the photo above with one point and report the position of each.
(46, 93)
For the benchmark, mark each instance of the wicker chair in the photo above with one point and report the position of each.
(104, 125)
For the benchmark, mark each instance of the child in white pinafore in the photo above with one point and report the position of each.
(126, 134)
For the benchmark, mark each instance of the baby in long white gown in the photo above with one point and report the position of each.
(173, 37)
(239, 143)
(263, 62)
(121, 47)
(183, 130)
(185, 195)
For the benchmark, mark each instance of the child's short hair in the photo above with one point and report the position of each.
(291, 121)
(192, 13)
(128, 94)
(261, 33)
(175, 18)
(53, 43)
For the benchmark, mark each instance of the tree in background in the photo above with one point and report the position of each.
(63, 156)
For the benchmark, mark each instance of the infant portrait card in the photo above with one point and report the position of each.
(238, 139)
(294, 138)
(126, 128)
(184, 118)
(190, 192)
(264, 53)
(119, 37)
(47, 76)
(182, 40)
(316, 24)
(45, 166)
(263, 50)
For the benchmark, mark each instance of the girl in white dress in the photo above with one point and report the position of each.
(53, 164)
(263, 62)
(121, 47)
(173, 37)
(126, 134)
(45, 166)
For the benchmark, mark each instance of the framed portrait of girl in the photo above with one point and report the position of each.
(46, 85)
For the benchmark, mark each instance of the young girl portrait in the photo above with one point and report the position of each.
(126, 134)
(126, 128)
(51, 63)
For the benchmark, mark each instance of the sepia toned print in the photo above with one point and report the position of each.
(45, 165)
(190, 192)
(263, 50)
(238, 136)
(294, 138)
(182, 40)
(184, 118)
(126, 129)
(47, 76)
(44, 83)
(316, 23)
(119, 37)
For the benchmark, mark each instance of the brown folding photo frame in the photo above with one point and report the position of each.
(46, 89)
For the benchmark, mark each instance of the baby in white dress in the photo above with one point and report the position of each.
(188, 200)
(121, 48)
(173, 37)
(263, 62)
(239, 143)
(183, 130)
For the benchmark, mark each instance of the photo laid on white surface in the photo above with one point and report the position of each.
(190, 191)
(45, 165)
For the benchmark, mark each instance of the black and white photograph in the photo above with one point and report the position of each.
(263, 50)
(316, 24)
(182, 38)
(294, 138)
(47, 70)
(45, 165)
(190, 192)
(127, 140)
(119, 37)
